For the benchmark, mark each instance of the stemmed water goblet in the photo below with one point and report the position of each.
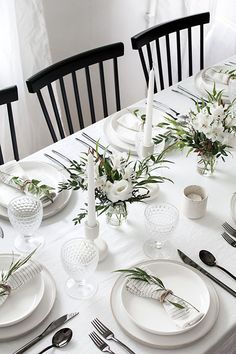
(80, 258)
(25, 214)
(161, 220)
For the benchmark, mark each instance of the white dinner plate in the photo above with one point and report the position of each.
(38, 315)
(163, 341)
(21, 304)
(50, 175)
(150, 315)
(203, 84)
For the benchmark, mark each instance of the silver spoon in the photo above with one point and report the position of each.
(60, 339)
(209, 259)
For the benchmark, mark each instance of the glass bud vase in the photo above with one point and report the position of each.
(116, 214)
(206, 165)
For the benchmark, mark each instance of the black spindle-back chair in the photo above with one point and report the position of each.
(7, 96)
(58, 72)
(154, 34)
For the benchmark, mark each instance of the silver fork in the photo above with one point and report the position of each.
(103, 346)
(1, 232)
(86, 136)
(108, 334)
(229, 239)
(190, 93)
(229, 229)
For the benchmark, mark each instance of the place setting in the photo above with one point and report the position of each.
(220, 76)
(27, 294)
(36, 178)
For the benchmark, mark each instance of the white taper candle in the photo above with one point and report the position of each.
(91, 192)
(147, 140)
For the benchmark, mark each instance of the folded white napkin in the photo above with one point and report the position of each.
(183, 318)
(9, 190)
(135, 123)
(18, 279)
(130, 121)
(213, 74)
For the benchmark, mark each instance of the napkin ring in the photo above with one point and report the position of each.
(6, 289)
(165, 294)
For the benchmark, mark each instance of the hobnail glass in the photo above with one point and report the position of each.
(161, 220)
(25, 214)
(80, 258)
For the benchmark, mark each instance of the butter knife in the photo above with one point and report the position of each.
(190, 262)
(54, 325)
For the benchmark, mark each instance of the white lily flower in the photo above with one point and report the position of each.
(119, 190)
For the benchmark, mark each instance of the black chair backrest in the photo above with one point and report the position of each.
(164, 30)
(7, 96)
(70, 66)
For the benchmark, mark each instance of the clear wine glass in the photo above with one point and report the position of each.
(25, 214)
(80, 258)
(161, 220)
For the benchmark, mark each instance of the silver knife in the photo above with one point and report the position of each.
(54, 325)
(190, 262)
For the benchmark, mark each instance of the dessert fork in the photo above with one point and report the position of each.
(103, 346)
(108, 334)
(229, 229)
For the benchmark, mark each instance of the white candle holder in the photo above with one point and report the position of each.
(145, 151)
(194, 202)
(92, 233)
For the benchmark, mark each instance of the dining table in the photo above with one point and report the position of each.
(125, 245)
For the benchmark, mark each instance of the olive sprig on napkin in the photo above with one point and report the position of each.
(137, 273)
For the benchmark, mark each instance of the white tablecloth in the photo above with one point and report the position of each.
(125, 248)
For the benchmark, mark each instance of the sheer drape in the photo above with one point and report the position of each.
(220, 34)
(24, 51)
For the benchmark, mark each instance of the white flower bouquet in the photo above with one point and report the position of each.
(210, 131)
(118, 179)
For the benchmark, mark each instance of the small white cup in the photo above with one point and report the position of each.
(194, 202)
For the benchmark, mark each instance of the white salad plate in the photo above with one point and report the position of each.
(183, 282)
(124, 139)
(154, 340)
(203, 83)
(47, 174)
(38, 315)
(21, 304)
(127, 134)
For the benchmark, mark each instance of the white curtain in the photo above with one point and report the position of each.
(24, 51)
(220, 34)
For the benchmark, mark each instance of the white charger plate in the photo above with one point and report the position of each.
(156, 340)
(202, 84)
(38, 315)
(21, 304)
(50, 175)
(150, 315)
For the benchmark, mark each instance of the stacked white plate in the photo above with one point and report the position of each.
(146, 321)
(47, 174)
(29, 306)
(206, 79)
(121, 128)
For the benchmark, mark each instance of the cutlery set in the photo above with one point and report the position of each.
(107, 334)
(62, 334)
(67, 159)
(62, 337)
(209, 259)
